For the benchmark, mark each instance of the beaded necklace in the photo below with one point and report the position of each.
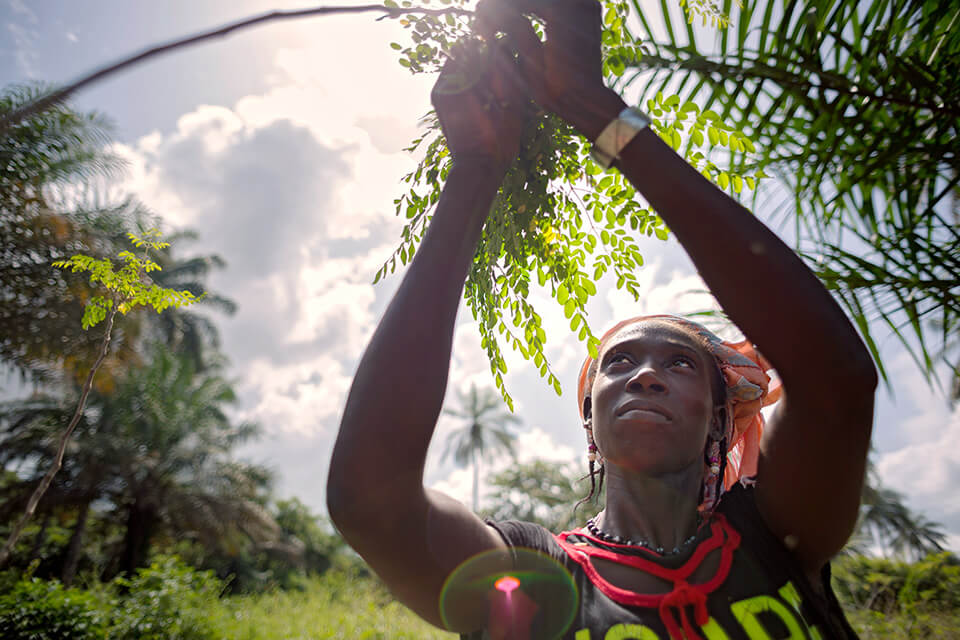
(606, 537)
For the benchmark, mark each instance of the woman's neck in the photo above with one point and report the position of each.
(658, 510)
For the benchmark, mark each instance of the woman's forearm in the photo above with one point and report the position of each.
(398, 389)
(761, 283)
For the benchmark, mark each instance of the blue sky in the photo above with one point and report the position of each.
(282, 146)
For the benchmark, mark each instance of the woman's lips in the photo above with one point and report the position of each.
(643, 411)
(644, 414)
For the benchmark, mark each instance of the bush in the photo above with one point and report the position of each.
(34, 609)
(166, 601)
(898, 601)
(889, 586)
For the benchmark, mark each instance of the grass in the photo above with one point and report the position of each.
(335, 605)
(345, 605)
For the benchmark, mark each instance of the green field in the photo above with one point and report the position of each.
(335, 605)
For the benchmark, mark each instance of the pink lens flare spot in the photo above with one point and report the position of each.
(507, 584)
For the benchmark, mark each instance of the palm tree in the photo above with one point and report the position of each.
(28, 436)
(854, 105)
(155, 452)
(40, 307)
(484, 434)
(887, 522)
(172, 452)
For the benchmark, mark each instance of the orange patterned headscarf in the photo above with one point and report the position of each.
(748, 390)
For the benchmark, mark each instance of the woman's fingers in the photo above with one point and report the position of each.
(501, 16)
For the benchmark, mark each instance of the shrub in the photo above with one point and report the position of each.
(166, 601)
(35, 609)
(890, 586)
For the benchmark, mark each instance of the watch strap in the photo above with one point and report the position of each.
(617, 135)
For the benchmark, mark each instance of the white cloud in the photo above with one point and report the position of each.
(297, 197)
(925, 466)
(678, 293)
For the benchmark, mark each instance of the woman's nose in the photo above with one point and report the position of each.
(646, 379)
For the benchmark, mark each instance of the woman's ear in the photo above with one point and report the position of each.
(587, 412)
(719, 424)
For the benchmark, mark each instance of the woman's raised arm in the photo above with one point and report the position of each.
(414, 538)
(813, 452)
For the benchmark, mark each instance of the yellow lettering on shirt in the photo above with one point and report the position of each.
(713, 631)
(630, 632)
(789, 593)
(746, 611)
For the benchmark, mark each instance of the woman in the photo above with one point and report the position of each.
(657, 404)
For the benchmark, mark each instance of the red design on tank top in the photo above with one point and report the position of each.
(671, 605)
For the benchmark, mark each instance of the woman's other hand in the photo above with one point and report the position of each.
(481, 103)
(565, 73)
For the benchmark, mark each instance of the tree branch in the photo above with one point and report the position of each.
(60, 95)
(61, 449)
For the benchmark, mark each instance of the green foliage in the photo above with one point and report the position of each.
(892, 599)
(709, 11)
(158, 449)
(166, 601)
(540, 491)
(892, 586)
(37, 610)
(171, 601)
(129, 286)
(558, 220)
(336, 605)
(56, 147)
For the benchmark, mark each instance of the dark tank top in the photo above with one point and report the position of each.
(737, 582)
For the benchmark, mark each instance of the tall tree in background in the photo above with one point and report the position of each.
(157, 451)
(856, 107)
(39, 308)
(887, 523)
(540, 491)
(52, 207)
(484, 433)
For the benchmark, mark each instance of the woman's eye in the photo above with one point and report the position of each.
(618, 357)
(682, 362)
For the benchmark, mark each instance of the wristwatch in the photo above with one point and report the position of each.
(617, 135)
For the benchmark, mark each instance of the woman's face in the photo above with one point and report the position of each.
(652, 401)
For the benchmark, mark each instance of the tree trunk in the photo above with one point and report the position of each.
(76, 541)
(40, 539)
(476, 482)
(136, 540)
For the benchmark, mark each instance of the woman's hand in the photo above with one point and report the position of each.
(481, 103)
(565, 73)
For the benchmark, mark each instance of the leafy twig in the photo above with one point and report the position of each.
(128, 287)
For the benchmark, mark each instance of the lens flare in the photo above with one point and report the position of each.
(507, 584)
(522, 595)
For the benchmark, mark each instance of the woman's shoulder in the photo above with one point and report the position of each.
(526, 535)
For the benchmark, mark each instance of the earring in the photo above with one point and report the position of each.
(713, 457)
(593, 454)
